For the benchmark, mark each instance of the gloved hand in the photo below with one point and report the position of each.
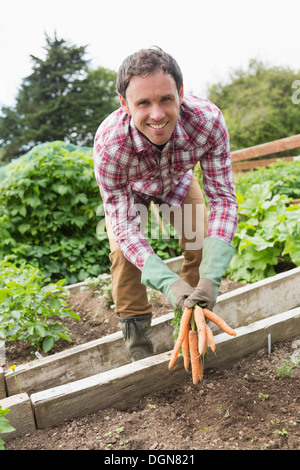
(217, 255)
(157, 275)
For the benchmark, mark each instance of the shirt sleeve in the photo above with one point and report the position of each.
(121, 209)
(218, 183)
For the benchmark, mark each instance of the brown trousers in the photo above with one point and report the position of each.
(129, 295)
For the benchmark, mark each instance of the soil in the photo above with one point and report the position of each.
(250, 406)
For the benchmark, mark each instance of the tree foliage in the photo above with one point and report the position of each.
(60, 100)
(257, 104)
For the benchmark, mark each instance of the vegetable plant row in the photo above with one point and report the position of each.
(268, 234)
(50, 208)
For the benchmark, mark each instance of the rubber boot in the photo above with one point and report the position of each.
(136, 331)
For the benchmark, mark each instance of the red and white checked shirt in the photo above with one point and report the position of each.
(129, 170)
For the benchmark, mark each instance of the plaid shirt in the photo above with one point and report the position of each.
(130, 170)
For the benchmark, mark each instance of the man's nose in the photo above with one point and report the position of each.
(157, 113)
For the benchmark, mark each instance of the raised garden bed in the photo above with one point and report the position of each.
(97, 375)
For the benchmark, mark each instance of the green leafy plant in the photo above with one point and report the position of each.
(268, 233)
(5, 425)
(27, 307)
(102, 286)
(49, 201)
(288, 365)
(285, 178)
(50, 210)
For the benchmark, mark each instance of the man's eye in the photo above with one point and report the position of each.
(166, 98)
(143, 103)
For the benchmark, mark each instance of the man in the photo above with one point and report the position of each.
(146, 151)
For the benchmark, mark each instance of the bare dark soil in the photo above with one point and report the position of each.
(250, 406)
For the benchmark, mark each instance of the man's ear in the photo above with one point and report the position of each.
(181, 94)
(124, 104)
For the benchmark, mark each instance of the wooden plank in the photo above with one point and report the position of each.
(238, 308)
(2, 355)
(260, 300)
(173, 263)
(253, 337)
(2, 384)
(251, 164)
(121, 387)
(268, 148)
(21, 415)
(84, 360)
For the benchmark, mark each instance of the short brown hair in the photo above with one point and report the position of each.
(144, 63)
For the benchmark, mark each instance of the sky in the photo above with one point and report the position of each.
(209, 40)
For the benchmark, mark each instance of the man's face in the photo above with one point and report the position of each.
(153, 103)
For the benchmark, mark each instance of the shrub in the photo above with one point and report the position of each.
(50, 206)
(48, 212)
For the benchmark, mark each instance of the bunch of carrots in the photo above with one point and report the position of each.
(194, 336)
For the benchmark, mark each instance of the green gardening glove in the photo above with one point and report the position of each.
(157, 275)
(217, 255)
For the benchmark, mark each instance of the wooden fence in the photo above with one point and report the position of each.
(246, 159)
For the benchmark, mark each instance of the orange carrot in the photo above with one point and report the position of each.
(185, 351)
(195, 363)
(201, 330)
(210, 338)
(184, 325)
(218, 321)
(201, 369)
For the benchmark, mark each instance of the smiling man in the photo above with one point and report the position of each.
(153, 103)
(146, 152)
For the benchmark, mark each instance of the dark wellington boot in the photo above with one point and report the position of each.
(136, 331)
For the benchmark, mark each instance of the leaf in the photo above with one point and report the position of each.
(33, 201)
(16, 314)
(48, 343)
(254, 199)
(259, 242)
(3, 294)
(292, 248)
(40, 329)
(65, 337)
(81, 198)
(60, 188)
(23, 228)
(22, 211)
(5, 426)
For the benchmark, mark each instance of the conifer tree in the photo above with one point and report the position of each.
(60, 100)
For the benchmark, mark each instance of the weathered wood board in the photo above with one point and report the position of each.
(122, 386)
(98, 374)
(81, 361)
(241, 307)
(21, 415)
(2, 384)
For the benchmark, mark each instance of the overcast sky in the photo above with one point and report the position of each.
(208, 39)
